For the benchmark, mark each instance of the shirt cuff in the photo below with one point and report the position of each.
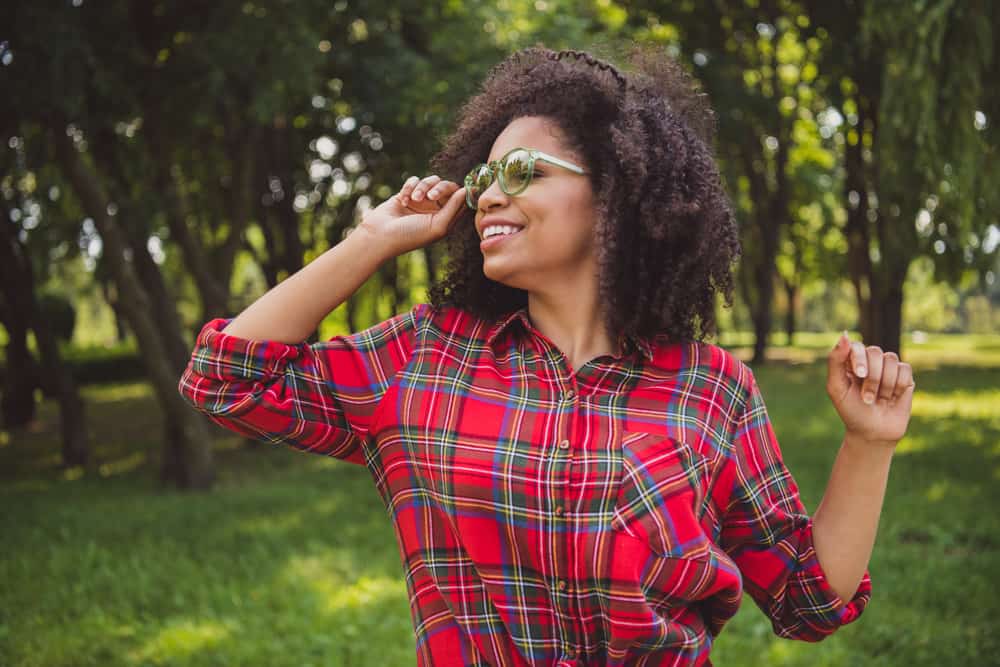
(818, 605)
(225, 357)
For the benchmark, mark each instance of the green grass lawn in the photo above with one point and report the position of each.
(291, 559)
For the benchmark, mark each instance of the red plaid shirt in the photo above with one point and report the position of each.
(607, 516)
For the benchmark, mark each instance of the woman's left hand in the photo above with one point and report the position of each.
(872, 391)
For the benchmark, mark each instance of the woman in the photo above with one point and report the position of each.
(574, 476)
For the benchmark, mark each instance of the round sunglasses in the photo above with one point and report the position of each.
(514, 171)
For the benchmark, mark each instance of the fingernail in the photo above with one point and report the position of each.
(868, 397)
(861, 371)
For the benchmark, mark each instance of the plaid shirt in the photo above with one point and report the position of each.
(607, 516)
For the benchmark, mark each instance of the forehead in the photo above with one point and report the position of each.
(535, 132)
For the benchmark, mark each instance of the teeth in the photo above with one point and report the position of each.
(493, 230)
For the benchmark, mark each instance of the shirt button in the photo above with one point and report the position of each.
(559, 510)
(562, 584)
(569, 395)
(564, 444)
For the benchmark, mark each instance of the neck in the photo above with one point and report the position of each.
(574, 322)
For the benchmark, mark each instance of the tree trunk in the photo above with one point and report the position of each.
(163, 308)
(187, 460)
(289, 253)
(350, 308)
(18, 403)
(18, 280)
(17, 406)
(110, 293)
(887, 333)
(242, 194)
(769, 215)
(431, 262)
(761, 313)
(856, 231)
(791, 295)
(887, 318)
(72, 420)
(214, 294)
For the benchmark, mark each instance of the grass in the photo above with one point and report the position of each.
(291, 559)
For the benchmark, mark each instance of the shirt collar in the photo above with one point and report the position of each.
(627, 343)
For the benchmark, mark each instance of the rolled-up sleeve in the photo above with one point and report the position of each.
(318, 397)
(768, 533)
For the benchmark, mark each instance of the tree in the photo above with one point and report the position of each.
(916, 164)
(242, 129)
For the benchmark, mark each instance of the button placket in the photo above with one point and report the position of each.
(564, 405)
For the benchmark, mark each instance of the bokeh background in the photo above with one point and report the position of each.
(164, 162)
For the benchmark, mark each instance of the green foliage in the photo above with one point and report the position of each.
(933, 156)
(96, 365)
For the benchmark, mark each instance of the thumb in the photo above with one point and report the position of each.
(837, 379)
(442, 219)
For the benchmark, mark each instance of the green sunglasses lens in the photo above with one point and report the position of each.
(476, 183)
(481, 178)
(515, 171)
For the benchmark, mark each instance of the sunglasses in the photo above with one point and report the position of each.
(514, 171)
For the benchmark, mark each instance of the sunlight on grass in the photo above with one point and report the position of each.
(960, 403)
(270, 523)
(74, 473)
(975, 416)
(109, 393)
(334, 593)
(180, 639)
(126, 464)
(937, 491)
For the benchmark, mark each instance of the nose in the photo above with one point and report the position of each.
(492, 197)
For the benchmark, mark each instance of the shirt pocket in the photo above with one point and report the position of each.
(661, 491)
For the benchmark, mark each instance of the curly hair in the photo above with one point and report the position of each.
(666, 235)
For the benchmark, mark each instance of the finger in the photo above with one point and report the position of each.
(442, 220)
(404, 192)
(890, 372)
(904, 380)
(859, 359)
(837, 382)
(869, 389)
(442, 190)
(423, 186)
(905, 399)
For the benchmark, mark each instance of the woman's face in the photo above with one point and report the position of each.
(556, 212)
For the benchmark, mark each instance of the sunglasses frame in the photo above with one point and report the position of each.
(496, 173)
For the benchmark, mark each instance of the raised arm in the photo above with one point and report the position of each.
(293, 309)
(769, 535)
(872, 392)
(255, 375)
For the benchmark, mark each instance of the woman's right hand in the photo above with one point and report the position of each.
(420, 213)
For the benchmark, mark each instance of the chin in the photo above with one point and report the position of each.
(508, 278)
